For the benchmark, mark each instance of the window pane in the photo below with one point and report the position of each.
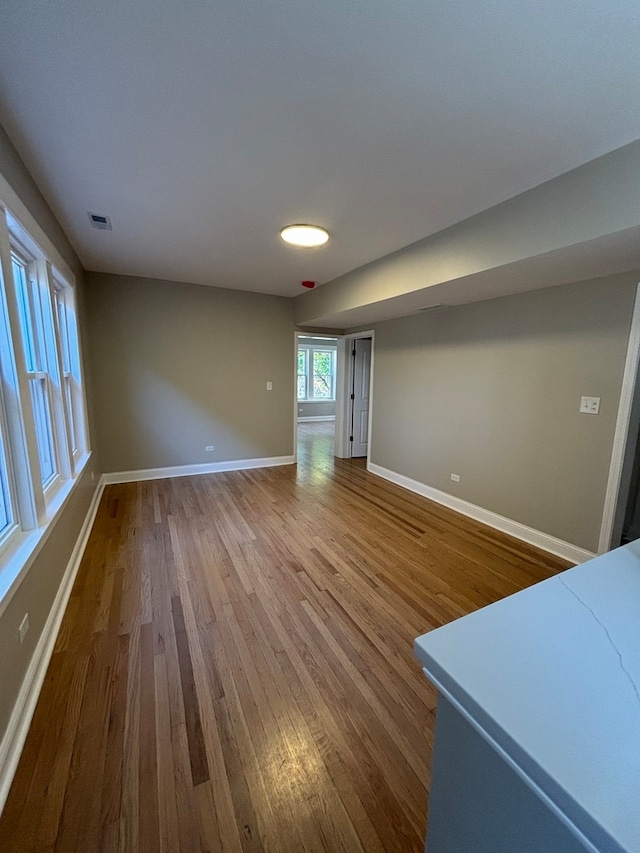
(38, 331)
(64, 335)
(321, 387)
(322, 375)
(36, 323)
(302, 374)
(6, 515)
(72, 426)
(20, 276)
(44, 432)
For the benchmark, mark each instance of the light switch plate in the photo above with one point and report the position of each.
(590, 405)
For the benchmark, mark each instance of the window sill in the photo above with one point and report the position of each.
(20, 555)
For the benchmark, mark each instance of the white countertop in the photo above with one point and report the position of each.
(551, 675)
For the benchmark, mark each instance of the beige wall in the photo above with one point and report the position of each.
(490, 391)
(36, 594)
(180, 366)
(38, 588)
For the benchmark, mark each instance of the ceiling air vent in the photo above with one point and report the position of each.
(102, 223)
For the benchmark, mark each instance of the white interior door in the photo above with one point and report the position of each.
(361, 378)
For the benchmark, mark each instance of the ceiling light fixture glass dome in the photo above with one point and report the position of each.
(307, 236)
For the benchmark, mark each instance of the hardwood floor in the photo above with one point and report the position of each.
(234, 671)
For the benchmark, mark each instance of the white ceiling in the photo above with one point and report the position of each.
(201, 127)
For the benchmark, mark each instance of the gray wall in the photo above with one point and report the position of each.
(37, 590)
(490, 391)
(179, 366)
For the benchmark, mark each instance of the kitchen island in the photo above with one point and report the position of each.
(537, 744)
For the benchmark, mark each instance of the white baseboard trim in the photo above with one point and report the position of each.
(23, 710)
(506, 525)
(316, 418)
(189, 470)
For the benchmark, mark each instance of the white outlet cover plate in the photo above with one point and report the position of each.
(590, 405)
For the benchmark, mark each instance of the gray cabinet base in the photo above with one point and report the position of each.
(479, 805)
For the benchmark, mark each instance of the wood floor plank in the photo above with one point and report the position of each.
(130, 794)
(58, 770)
(112, 779)
(149, 827)
(195, 738)
(167, 802)
(234, 671)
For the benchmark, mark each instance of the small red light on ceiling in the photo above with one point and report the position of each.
(309, 284)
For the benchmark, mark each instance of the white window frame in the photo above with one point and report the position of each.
(72, 384)
(35, 505)
(8, 383)
(309, 350)
(45, 372)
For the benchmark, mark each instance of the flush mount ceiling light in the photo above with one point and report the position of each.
(306, 236)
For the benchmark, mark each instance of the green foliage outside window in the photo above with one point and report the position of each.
(316, 374)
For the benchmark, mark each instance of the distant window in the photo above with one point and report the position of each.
(316, 373)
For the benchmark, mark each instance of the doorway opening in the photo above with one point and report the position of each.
(354, 396)
(316, 385)
(333, 398)
(360, 387)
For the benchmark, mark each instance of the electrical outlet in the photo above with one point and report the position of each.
(210, 448)
(590, 405)
(455, 478)
(269, 386)
(24, 628)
